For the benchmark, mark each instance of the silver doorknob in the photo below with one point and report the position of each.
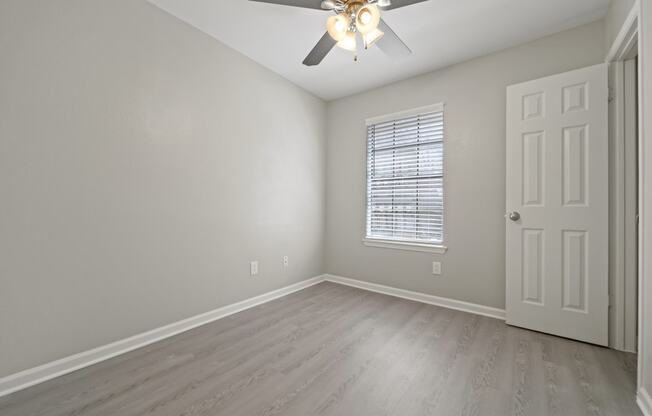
(514, 216)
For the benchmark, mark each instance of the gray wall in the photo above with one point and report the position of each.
(142, 165)
(618, 11)
(645, 289)
(474, 93)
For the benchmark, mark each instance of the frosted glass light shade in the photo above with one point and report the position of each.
(372, 37)
(367, 18)
(337, 26)
(349, 42)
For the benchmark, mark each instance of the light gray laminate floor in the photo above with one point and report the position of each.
(336, 350)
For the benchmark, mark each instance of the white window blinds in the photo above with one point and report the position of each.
(405, 199)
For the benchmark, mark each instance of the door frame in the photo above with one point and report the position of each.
(625, 45)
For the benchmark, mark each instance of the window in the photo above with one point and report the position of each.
(405, 198)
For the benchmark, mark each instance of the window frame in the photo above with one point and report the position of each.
(409, 245)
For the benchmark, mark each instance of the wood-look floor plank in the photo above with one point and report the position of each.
(334, 350)
(213, 367)
(379, 386)
(85, 385)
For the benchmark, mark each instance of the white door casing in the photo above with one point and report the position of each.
(557, 180)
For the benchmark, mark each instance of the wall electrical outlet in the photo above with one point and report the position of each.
(253, 268)
(436, 268)
(286, 261)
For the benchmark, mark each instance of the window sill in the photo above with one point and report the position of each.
(401, 245)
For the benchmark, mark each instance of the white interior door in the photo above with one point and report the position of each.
(557, 194)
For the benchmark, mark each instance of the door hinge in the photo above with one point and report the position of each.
(610, 94)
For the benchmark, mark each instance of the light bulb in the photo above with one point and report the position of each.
(372, 37)
(349, 42)
(337, 26)
(367, 18)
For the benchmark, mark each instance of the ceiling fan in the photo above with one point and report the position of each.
(353, 17)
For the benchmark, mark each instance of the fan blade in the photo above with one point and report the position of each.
(391, 44)
(321, 49)
(308, 4)
(401, 3)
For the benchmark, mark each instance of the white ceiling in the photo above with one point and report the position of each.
(439, 32)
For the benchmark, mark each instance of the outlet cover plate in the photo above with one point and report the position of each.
(436, 268)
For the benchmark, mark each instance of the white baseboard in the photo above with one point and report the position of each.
(420, 297)
(644, 401)
(45, 372)
(36, 375)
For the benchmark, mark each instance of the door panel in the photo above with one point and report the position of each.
(532, 266)
(557, 180)
(533, 172)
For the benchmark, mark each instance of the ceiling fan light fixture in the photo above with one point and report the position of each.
(367, 18)
(372, 37)
(338, 26)
(347, 19)
(349, 42)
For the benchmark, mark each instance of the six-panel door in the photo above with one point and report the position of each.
(557, 180)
